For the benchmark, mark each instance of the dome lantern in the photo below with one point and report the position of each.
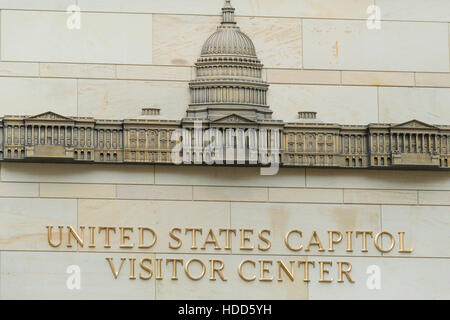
(228, 13)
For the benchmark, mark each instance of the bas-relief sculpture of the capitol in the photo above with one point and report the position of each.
(227, 93)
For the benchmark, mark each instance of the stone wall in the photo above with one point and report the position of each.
(36, 195)
(318, 55)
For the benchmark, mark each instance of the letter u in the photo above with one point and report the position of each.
(50, 236)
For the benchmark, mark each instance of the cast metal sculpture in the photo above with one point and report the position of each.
(228, 96)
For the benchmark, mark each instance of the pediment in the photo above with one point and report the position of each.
(414, 124)
(49, 115)
(234, 118)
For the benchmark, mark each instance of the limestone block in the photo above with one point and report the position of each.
(39, 275)
(165, 73)
(102, 37)
(289, 76)
(228, 176)
(23, 222)
(433, 80)
(154, 192)
(384, 179)
(22, 69)
(122, 99)
(70, 190)
(19, 189)
(76, 173)
(347, 9)
(72, 70)
(333, 104)
(155, 6)
(230, 194)
(399, 105)
(434, 197)
(59, 5)
(416, 10)
(178, 39)
(426, 229)
(31, 96)
(378, 78)
(277, 41)
(350, 45)
(305, 195)
(380, 196)
(400, 278)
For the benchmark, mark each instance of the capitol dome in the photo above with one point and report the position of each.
(228, 76)
(229, 40)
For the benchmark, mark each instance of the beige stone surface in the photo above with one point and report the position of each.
(31, 96)
(433, 80)
(19, 189)
(228, 176)
(403, 104)
(154, 6)
(340, 44)
(426, 229)
(22, 69)
(379, 179)
(37, 275)
(102, 38)
(60, 5)
(76, 173)
(305, 195)
(434, 197)
(380, 196)
(70, 190)
(74, 70)
(23, 222)
(114, 99)
(234, 288)
(161, 216)
(400, 278)
(230, 194)
(154, 192)
(290, 76)
(281, 218)
(351, 9)
(378, 78)
(277, 41)
(154, 73)
(333, 104)
(318, 56)
(178, 39)
(417, 10)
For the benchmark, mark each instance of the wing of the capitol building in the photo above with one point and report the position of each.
(289, 150)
